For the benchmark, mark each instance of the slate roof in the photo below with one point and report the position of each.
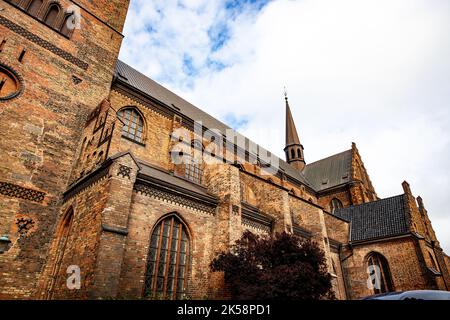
(378, 219)
(330, 172)
(166, 178)
(144, 84)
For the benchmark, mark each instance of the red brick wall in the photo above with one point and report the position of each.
(82, 245)
(145, 212)
(41, 127)
(404, 264)
(337, 229)
(341, 194)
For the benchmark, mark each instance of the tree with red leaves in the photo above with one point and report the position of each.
(281, 267)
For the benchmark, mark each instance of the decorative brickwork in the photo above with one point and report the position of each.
(105, 194)
(124, 171)
(174, 198)
(43, 43)
(257, 220)
(76, 80)
(24, 225)
(11, 83)
(15, 191)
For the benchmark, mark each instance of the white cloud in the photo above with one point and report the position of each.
(373, 72)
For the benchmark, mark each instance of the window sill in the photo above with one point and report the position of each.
(134, 141)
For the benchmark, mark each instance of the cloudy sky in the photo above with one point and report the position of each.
(373, 72)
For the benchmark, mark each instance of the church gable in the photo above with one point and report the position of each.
(365, 191)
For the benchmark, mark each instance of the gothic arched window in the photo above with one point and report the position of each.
(292, 154)
(168, 259)
(336, 204)
(133, 127)
(52, 15)
(34, 7)
(380, 274)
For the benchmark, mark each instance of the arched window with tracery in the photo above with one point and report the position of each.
(168, 259)
(378, 269)
(336, 204)
(133, 124)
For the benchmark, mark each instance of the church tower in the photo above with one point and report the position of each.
(57, 61)
(293, 148)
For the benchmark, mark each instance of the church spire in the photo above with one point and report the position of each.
(293, 149)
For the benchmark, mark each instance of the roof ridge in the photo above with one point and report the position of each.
(165, 88)
(371, 202)
(130, 76)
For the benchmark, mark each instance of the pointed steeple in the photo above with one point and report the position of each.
(293, 148)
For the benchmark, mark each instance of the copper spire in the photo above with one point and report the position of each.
(293, 148)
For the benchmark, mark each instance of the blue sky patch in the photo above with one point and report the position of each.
(236, 122)
(219, 35)
(237, 6)
(188, 66)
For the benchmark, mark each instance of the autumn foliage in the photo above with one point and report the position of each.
(281, 267)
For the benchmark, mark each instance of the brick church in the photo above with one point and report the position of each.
(106, 172)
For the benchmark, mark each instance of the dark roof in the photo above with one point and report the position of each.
(330, 172)
(142, 83)
(166, 178)
(378, 219)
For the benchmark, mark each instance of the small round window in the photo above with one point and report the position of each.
(10, 84)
